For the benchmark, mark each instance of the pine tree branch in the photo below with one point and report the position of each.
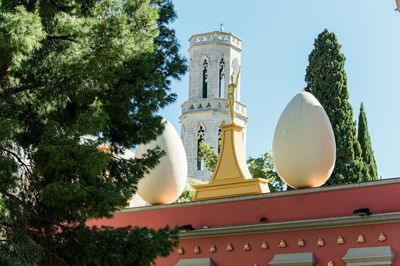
(14, 90)
(22, 163)
(65, 38)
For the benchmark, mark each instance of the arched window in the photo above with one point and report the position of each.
(221, 76)
(200, 139)
(219, 139)
(205, 78)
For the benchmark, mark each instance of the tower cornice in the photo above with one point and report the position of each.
(215, 37)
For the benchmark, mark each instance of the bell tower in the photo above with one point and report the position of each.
(213, 58)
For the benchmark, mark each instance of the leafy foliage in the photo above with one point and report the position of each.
(327, 81)
(70, 69)
(261, 167)
(366, 146)
(208, 155)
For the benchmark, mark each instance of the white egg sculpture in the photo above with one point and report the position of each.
(164, 183)
(304, 148)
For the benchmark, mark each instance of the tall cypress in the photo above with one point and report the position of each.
(327, 81)
(366, 146)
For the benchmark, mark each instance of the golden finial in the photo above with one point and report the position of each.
(264, 245)
(181, 251)
(330, 263)
(381, 237)
(398, 5)
(196, 250)
(340, 240)
(213, 249)
(282, 244)
(300, 243)
(246, 247)
(360, 239)
(320, 242)
(229, 247)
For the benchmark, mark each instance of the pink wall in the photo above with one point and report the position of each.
(322, 255)
(285, 207)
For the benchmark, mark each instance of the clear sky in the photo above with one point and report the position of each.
(277, 37)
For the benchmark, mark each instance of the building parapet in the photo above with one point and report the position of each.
(216, 37)
(215, 104)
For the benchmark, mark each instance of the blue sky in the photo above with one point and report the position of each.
(277, 37)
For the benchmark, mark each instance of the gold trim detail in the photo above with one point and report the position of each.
(300, 243)
(181, 251)
(330, 263)
(213, 249)
(196, 250)
(381, 237)
(264, 245)
(282, 244)
(360, 238)
(229, 247)
(246, 247)
(320, 243)
(340, 240)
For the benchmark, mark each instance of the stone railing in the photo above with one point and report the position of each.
(215, 104)
(216, 37)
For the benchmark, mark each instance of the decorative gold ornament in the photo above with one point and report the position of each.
(381, 237)
(246, 247)
(230, 100)
(181, 251)
(213, 249)
(340, 240)
(264, 245)
(229, 247)
(320, 242)
(282, 244)
(360, 239)
(330, 263)
(300, 243)
(196, 250)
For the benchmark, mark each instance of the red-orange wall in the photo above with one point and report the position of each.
(276, 207)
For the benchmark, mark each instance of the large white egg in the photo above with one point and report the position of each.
(164, 183)
(303, 148)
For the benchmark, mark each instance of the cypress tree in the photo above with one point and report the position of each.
(327, 81)
(366, 146)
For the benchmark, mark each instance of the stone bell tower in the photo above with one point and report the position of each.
(214, 57)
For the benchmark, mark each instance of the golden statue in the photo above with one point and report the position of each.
(230, 100)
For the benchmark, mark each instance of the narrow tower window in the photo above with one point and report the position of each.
(221, 76)
(200, 139)
(205, 78)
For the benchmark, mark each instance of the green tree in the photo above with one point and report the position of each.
(208, 155)
(366, 146)
(261, 167)
(327, 81)
(70, 69)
